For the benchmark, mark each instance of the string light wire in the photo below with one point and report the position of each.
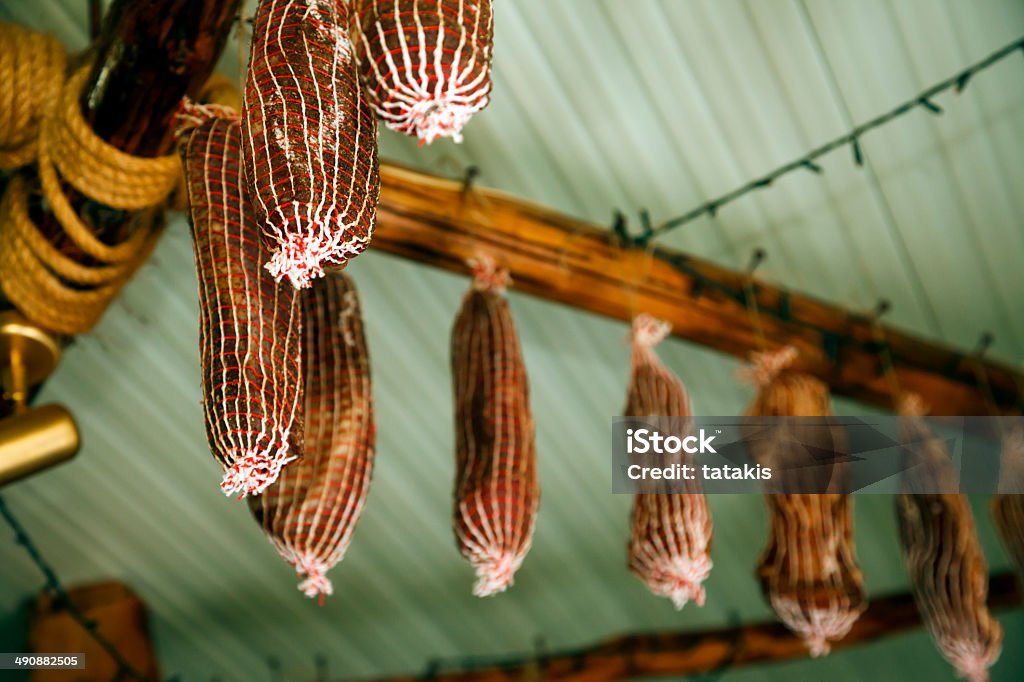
(852, 138)
(56, 588)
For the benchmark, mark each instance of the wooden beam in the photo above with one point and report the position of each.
(694, 653)
(437, 222)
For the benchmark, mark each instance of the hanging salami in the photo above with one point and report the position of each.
(249, 327)
(310, 512)
(948, 572)
(669, 549)
(1008, 504)
(808, 571)
(496, 489)
(310, 138)
(426, 64)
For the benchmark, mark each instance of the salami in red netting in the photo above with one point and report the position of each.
(310, 512)
(496, 490)
(310, 138)
(809, 569)
(947, 567)
(249, 340)
(1008, 504)
(670, 545)
(426, 63)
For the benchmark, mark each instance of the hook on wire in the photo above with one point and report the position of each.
(811, 166)
(620, 228)
(472, 173)
(432, 669)
(274, 666)
(646, 226)
(881, 345)
(883, 306)
(985, 342)
(756, 259)
(750, 296)
(930, 105)
(858, 155)
(961, 81)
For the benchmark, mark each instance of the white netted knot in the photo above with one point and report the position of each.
(252, 472)
(766, 365)
(970, 657)
(436, 117)
(192, 114)
(494, 573)
(680, 579)
(314, 573)
(973, 669)
(307, 238)
(912, 405)
(817, 644)
(487, 276)
(300, 258)
(649, 331)
(816, 626)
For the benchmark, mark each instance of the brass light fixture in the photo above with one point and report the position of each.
(31, 439)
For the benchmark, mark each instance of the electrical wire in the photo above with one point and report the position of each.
(56, 588)
(807, 162)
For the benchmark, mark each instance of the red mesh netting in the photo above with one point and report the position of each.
(249, 327)
(311, 138)
(809, 570)
(1008, 505)
(947, 568)
(496, 489)
(670, 544)
(310, 512)
(426, 63)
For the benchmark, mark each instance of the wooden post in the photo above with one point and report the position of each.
(694, 653)
(149, 54)
(438, 222)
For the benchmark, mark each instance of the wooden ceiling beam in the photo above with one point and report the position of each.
(694, 653)
(441, 223)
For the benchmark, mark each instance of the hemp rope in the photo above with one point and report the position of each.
(45, 290)
(97, 169)
(44, 122)
(31, 74)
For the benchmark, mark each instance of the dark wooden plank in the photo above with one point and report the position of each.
(693, 653)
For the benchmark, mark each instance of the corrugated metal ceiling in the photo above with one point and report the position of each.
(652, 104)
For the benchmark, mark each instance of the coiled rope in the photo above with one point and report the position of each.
(32, 73)
(45, 124)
